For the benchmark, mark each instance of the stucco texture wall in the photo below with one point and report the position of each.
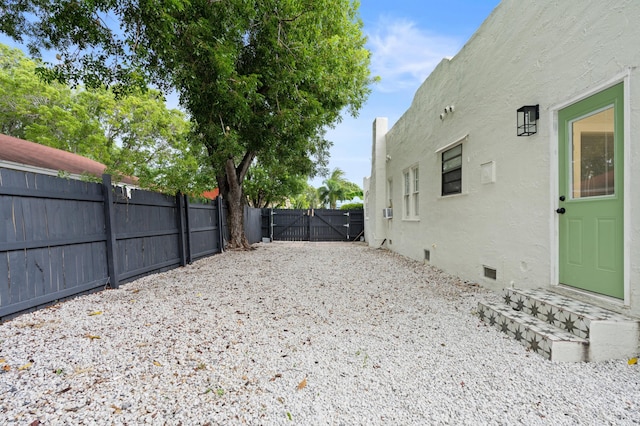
(550, 53)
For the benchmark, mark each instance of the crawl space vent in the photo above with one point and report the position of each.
(490, 273)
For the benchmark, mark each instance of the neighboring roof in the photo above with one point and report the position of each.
(211, 195)
(33, 154)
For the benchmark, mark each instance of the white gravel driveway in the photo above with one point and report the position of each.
(293, 334)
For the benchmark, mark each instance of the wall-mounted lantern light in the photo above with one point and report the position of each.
(528, 116)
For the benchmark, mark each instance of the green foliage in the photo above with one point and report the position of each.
(135, 135)
(271, 186)
(307, 199)
(337, 188)
(352, 206)
(49, 114)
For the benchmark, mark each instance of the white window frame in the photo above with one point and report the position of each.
(410, 193)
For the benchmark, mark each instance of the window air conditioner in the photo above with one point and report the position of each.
(387, 213)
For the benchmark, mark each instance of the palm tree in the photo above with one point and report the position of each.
(337, 188)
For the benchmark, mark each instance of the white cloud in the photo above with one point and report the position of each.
(403, 55)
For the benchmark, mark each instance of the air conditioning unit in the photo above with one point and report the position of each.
(387, 213)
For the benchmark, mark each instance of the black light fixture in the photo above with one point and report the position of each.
(528, 116)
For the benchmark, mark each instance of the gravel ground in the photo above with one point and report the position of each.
(293, 333)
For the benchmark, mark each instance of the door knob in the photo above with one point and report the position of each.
(562, 198)
(561, 210)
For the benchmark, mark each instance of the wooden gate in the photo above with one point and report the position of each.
(315, 225)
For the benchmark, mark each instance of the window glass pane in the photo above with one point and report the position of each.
(457, 150)
(415, 180)
(592, 151)
(453, 163)
(451, 176)
(454, 187)
(406, 183)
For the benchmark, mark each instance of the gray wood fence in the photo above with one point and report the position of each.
(63, 237)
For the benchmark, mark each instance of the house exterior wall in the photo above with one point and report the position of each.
(545, 52)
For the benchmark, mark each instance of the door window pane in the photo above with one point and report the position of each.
(592, 151)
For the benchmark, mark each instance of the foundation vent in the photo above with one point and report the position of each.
(427, 255)
(490, 272)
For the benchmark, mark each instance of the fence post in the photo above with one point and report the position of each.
(220, 223)
(109, 221)
(187, 207)
(181, 233)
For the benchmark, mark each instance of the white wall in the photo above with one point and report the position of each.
(550, 53)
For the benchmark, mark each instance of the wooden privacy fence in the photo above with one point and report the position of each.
(62, 237)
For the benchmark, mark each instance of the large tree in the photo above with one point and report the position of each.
(261, 79)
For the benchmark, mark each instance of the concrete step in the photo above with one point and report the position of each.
(558, 320)
(549, 341)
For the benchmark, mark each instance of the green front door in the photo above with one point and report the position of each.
(590, 208)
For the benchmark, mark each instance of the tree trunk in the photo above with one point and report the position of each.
(231, 190)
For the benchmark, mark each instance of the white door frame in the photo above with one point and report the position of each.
(554, 251)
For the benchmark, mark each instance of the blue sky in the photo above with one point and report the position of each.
(407, 39)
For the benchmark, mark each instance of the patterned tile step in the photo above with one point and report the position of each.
(538, 336)
(569, 314)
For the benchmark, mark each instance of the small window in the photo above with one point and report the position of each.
(452, 171)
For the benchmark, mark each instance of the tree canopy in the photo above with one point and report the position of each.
(337, 188)
(133, 135)
(260, 79)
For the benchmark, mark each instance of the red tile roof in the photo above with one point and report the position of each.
(211, 195)
(33, 154)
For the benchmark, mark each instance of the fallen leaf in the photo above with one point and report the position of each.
(633, 361)
(117, 410)
(3, 361)
(26, 366)
(157, 364)
(35, 423)
(6, 367)
(94, 313)
(302, 384)
(92, 337)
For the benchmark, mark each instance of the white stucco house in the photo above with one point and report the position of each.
(515, 167)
